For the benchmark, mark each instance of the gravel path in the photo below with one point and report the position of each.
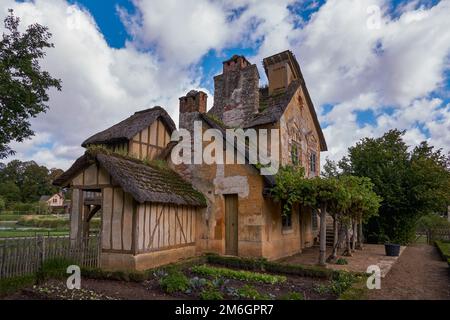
(419, 274)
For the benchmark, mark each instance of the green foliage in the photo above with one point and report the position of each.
(44, 221)
(54, 269)
(432, 221)
(270, 266)
(11, 285)
(174, 281)
(292, 296)
(23, 183)
(341, 261)
(23, 85)
(211, 293)
(2, 204)
(338, 285)
(411, 183)
(238, 275)
(444, 249)
(250, 292)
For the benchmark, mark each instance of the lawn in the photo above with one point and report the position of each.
(31, 233)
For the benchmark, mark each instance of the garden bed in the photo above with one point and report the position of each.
(196, 279)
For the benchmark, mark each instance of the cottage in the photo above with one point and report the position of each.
(55, 202)
(155, 211)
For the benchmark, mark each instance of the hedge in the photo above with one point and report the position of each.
(444, 249)
(274, 267)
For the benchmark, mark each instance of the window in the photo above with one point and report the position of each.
(286, 221)
(312, 163)
(55, 200)
(296, 154)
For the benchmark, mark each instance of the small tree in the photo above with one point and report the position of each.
(317, 193)
(23, 85)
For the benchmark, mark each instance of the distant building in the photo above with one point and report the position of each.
(55, 201)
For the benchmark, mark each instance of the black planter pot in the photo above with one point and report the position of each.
(392, 250)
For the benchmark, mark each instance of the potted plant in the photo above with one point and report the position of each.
(391, 249)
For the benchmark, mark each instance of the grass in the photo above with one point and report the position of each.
(237, 275)
(31, 233)
(274, 267)
(10, 217)
(357, 291)
(444, 249)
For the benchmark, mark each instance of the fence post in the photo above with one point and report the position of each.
(3, 249)
(40, 248)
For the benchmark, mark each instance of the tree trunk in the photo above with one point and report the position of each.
(355, 235)
(359, 244)
(335, 239)
(323, 235)
(348, 249)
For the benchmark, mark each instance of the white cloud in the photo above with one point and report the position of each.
(344, 64)
(101, 85)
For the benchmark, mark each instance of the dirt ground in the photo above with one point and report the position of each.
(92, 289)
(419, 274)
(372, 254)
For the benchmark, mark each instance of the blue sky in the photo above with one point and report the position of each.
(136, 54)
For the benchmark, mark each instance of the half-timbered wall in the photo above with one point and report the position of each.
(148, 143)
(117, 226)
(161, 226)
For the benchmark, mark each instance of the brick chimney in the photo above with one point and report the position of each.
(190, 106)
(236, 91)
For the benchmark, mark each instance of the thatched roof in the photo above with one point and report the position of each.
(152, 182)
(128, 128)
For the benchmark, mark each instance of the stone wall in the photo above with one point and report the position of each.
(236, 95)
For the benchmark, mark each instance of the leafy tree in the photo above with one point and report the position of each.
(411, 183)
(23, 85)
(26, 181)
(330, 169)
(10, 192)
(2, 204)
(321, 194)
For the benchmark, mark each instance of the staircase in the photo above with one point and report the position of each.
(330, 235)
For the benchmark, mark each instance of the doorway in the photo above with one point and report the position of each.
(231, 224)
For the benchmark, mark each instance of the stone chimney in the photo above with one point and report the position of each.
(191, 106)
(236, 91)
(281, 69)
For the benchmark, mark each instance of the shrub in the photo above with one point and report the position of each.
(11, 285)
(54, 268)
(43, 222)
(275, 267)
(211, 293)
(341, 261)
(249, 292)
(444, 249)
(238, 275)
(174, 281)
(292, 296)
(342, 282)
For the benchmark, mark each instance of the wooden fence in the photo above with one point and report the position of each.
(434, 234)
(21, 256)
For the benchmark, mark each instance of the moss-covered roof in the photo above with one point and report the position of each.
(128, 128)
(151, 181)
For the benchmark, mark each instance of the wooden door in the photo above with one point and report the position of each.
(231, 224)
